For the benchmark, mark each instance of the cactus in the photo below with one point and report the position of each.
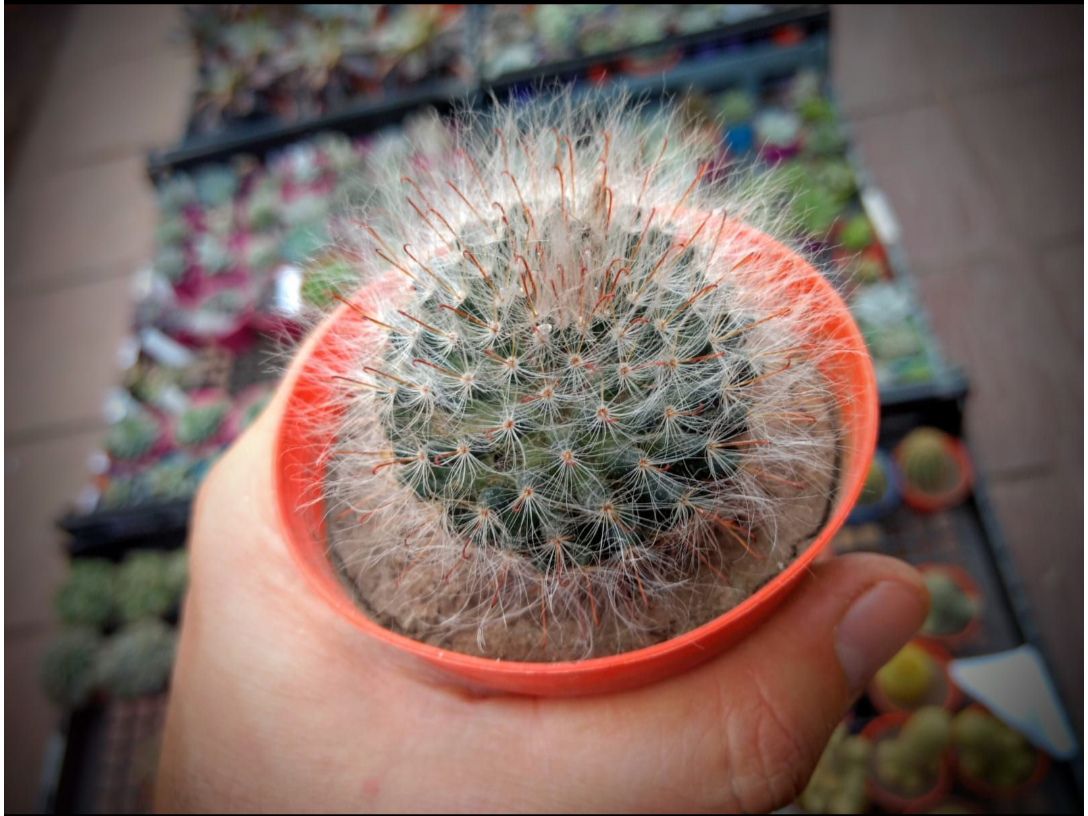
(132, 436)
(176, 193)
(777, 128)
(170, 479)
(950, 608)
(908, 676)
(170, 263)
(69, 668)
(876, 483)
(200, 423)
(584, 399)
(325, 282)
(86, 597)
(909, 762)
(137, 661)
(926, 462)
(303, 242)
(262, 252)
(263, 205)
(857, 233)
(171, 231)
(990, 751)
(147, 586)
(838, 783)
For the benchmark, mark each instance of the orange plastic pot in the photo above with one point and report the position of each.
(967, 585)
(990, 793)
(934, 502)
(308, 424)
(950, 700)
(887, 726)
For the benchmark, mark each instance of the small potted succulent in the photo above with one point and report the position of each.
(69, 669)
(910, 767)
(955, 607)
(777, 134)
(880, 495)
(838, 785)
(936, 471)
(916, 677)
(992, 760)
(572, 428)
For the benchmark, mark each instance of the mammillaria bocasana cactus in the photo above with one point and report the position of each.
(588, 390)
(69, 669)
(910, 761)
(137, 661)
(926, 462)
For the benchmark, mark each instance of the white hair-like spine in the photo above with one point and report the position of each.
(586, 386)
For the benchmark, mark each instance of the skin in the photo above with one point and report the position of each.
(279, 704)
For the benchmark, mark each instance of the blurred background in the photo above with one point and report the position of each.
(172, 177)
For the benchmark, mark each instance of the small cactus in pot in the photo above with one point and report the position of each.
(953, 602)
(913, 761)
(991, 758)
(935, 468)
(838, 783)
(133, 436)
(915, 677)
(149, 584)
(202, 422)
(589, 398)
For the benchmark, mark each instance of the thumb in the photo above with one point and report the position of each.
(792, 680)
(744, 731)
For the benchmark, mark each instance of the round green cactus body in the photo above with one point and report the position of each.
(990, 751)
(324, 282)
(926, 462)
(857, 234)
(909, 761)
(86, 598)
(876, 483)
(137, 661)
(950, 608)
(838, 783)
(215, 184)
(69, 669)
(649, 439)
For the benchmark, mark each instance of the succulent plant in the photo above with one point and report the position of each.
(170, 479)
(876, 483)
(866, 270)
(86, 598)
(262, 252)
(303, 242)
(132, 436)
(212, 254)
(216, 184)
(137, 661)
(176, 193)
(777, 128)
(838, 783)
(171, 231)
(909, 762)
(263, 205)
(857, 233)
(121, 491)
(200, 423)
(323, 283)
(990, 751)
(577, 398)
(926, 462)
(907, 677)
(146, 586)
(950, 608)
(69, 668)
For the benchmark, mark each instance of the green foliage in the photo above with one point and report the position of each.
(838, 783)
(334, 277)
(857, 233)
(876, 483)
(950, 608)
(990, 751)
(69, 668)
(200, 423)
(131, 437)
(137, 661)
(737, 107)
(909, 762)
(150, 584)
(86, 598)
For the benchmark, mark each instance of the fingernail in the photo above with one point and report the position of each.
(875, 627)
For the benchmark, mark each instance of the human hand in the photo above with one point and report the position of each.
(279, 704)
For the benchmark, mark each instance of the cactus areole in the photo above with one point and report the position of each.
(579, 391)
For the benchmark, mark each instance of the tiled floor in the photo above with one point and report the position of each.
(969, 117)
